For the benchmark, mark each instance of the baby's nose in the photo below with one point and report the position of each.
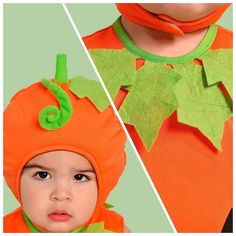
(61, 193)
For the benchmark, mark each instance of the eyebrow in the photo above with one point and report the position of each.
(49, 169)
(86, 170)
(37, 166)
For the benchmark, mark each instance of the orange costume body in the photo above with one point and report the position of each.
(193, 178)
(32, 127)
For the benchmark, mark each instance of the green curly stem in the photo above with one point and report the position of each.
(52, 118)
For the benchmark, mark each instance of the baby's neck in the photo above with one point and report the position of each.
(161, 43)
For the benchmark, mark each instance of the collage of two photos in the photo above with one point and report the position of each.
(118, 118)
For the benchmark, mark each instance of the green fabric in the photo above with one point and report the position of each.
(92, 228)
(218, 66)
(199, 105)
(91, 89)
(79, 230)
(145, 92)
(61, 70)
(96, 228)
(129, 44)
(150, 101)
(115, 73)
(107, 205)
(31, 227)
(51, 118)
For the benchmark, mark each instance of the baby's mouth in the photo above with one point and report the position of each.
(59, 215)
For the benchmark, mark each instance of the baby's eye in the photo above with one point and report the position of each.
(41, 175)
(81, 178)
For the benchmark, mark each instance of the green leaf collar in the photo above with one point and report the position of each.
(201, 106)
(156, 91)
(140, 53)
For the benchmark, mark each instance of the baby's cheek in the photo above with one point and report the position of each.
(86, 200)
(34, 196)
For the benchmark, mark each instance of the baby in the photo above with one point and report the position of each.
(64, 198)
(63, 154)
(168, 68)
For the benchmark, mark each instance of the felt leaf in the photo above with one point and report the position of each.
(92, 228)
(116, 67)
(107, 205)
(199, 105)
(96, 228)
(218, 66)
(91, 89)
(78, 230)
(150, 100)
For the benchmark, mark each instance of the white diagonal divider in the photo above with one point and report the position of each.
(118, 115)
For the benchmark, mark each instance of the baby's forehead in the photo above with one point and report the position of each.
(60, 160)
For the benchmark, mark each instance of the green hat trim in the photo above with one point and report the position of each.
(52, 118)
(156, 91)
(61, 69)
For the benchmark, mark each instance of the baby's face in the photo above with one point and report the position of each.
(58, 191)
(182, 11)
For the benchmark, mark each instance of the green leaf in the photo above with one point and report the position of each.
(152, 93)
(107, 205)
(96, 228)
(116, 67)
(199, 105)
(150, 100)
(83, 87)
(218, 66)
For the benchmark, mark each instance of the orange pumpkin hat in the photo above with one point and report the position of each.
(69, 123)
(141, 16)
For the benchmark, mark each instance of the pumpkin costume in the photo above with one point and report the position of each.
(177, 111)
(72, 122)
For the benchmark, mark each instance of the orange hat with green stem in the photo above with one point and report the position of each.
(61, 114)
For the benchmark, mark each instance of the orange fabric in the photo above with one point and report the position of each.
(194, 180)
(14, 222)
(141, 16)
(96, 135)
(200, 23)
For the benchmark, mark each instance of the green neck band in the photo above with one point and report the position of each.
(200, 50)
